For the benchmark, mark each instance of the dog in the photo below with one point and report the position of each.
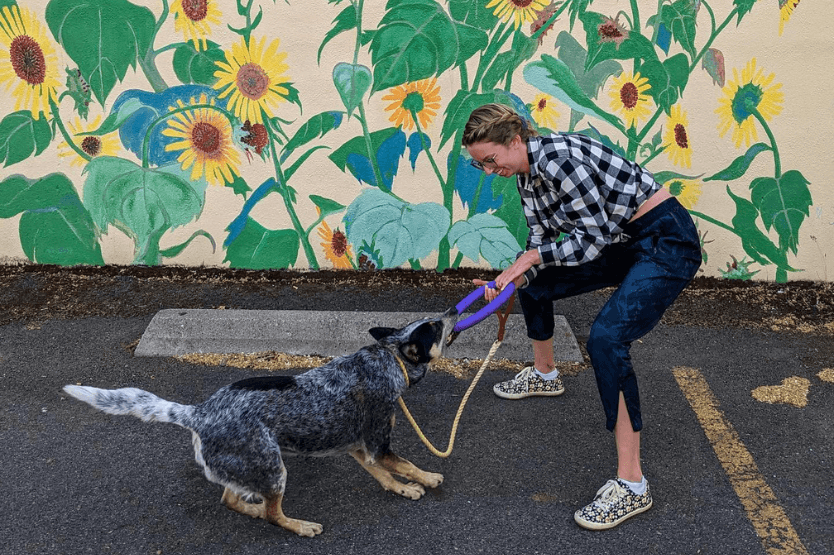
(346, 406)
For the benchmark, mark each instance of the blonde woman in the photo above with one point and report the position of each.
(596, 220)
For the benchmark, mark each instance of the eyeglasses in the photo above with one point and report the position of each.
(487, 163)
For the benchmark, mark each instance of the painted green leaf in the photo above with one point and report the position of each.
(510, 210)
(326, 206)
(259, 248)
(54, 227)
(104, 37)
(352, 82)
(417, 39)
(473, 13)
(315, 127)
(740, 165)
(743, 7)
(197, 66)
(574, 56)
(8, 3)
(667, 79)
(171, 252)
(398, 230)
(713, 64)
(485, 235)
(554, 77)
(635, 46)
(784, 204)
(388, 146)
(668, 175)
(345, 21)
(756, 244)
(679, 17)
(22, 136)
(143, 203)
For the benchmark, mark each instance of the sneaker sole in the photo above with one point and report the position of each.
(608, 525)
(515, 396)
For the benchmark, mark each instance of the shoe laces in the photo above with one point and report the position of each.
(524, 376)
(609, 494)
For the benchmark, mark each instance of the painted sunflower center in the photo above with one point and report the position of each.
(521, 4)
(256, 136)
(609, 30)
(413, 102)
(195, 10)
(676, 188)
(206, 138)
(27, 60)
(91, 146)
(629, 95)
(339, 243)
(680, 136)
(542, 104)
(745, 101)
(252, 81)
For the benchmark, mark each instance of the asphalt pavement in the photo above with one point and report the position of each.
(738, 447)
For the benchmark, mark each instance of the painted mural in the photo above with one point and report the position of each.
(218, 97)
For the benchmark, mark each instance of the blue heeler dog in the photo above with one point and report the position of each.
(345, 406)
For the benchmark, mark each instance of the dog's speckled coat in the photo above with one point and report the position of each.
(345, 406)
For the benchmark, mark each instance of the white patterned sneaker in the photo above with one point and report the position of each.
(614, 503)
(528, 384)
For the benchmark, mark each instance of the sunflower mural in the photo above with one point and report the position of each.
(171, 104)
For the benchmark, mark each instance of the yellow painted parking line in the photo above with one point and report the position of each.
(767, 516)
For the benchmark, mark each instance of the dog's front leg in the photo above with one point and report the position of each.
(384, 477)
(402, 467)
(272, 512)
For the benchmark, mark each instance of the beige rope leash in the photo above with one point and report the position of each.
(502, 319)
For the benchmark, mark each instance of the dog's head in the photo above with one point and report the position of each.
(419, 343)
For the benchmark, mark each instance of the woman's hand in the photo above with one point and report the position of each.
(513, 274)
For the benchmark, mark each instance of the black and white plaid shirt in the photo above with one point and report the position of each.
(582, 188)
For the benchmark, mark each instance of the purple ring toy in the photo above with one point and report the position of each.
(494, 305)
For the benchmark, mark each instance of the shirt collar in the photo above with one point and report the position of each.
(534, 156)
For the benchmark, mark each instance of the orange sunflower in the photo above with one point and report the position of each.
(419, 97)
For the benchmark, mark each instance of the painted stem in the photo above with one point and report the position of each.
(67, 137)
(777, 162)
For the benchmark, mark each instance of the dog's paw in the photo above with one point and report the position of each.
(432, 479)
(412, 490)
(302, 527)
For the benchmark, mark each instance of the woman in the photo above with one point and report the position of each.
(596, 220)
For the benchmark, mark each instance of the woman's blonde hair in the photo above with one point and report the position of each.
(495, 123)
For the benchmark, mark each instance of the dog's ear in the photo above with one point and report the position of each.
(380, 333)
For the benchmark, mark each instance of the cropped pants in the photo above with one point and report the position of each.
(658, 258)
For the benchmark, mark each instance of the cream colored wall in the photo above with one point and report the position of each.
(798, 59)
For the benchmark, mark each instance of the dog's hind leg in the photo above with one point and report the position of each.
(402, 467)
(235, 503)
(385, 478)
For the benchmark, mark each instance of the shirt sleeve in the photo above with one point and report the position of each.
(585, 220)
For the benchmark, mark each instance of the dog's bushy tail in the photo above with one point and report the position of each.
(135, 402)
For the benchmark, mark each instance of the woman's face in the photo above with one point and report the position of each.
(503, 160)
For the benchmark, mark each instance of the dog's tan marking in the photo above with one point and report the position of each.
(384, 469)
(272, 512)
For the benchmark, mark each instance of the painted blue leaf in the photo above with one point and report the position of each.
(467, 179)
(237, 225)
(664, 37)
(133, 130)
(415, 147)
(388, 157)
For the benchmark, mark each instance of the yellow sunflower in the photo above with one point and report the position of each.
(194, 19)
(207, 146)
(544, 111)
(521, 11)
(786, 8)
(91, 145)
(687, 191)
(752, 91)
(28, 61)
(676, 138)
(419, 97)
(629, 99)
(253, 74)
(336, 247)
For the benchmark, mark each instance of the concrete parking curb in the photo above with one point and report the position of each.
(175, 332)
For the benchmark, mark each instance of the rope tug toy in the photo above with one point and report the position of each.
(467, 323)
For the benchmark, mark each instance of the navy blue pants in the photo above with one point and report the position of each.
(650, 269)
